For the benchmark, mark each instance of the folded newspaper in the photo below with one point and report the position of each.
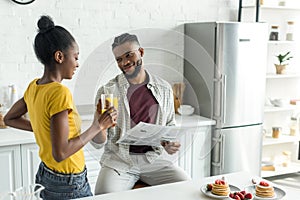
(151, 134)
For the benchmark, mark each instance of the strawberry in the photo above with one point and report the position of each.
(263, 183)
(209, 187)
(243, 192)
(222, 182)
(237, 197)
(218, 181)
(231, 195)
(240, 195)
(248, 196)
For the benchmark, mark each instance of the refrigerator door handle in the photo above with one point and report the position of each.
(223, 97)
(222, 155)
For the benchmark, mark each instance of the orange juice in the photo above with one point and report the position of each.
(106, 102)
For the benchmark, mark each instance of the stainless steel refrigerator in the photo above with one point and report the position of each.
(225, 68)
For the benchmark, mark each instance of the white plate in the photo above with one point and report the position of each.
(279, 193)
(208, 193)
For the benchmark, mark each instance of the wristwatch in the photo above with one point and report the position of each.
(23, 2)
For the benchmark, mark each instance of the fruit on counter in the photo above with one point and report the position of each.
(241, 195)
(209, 187)
(264, 183)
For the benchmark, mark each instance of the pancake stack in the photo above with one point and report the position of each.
(220, 188)
(264, 190)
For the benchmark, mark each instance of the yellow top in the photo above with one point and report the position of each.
(44, 101)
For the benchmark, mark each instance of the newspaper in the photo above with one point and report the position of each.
(151, 134)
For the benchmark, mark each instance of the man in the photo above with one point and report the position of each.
(142, 98)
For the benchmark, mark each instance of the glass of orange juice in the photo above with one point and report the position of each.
(107, 101)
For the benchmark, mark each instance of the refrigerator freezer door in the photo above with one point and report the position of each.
(237, 149)
(241, 50)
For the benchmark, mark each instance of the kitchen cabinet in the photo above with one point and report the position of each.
(11, 173)
(18, 165)
(280, 86)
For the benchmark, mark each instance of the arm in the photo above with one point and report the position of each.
(14, 117)
(62, 146)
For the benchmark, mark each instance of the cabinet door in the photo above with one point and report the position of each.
(194, 153)
(92, 158)
(30, 162)
(10, 173)
(201, 153)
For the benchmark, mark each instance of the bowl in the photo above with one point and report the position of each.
(186, 110)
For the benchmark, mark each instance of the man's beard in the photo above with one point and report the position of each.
(136, 71)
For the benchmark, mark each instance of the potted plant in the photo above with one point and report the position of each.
(280, 68)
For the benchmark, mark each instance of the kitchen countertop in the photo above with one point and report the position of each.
(12, 136)
(189, 190)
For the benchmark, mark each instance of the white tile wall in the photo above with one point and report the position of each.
(94, 23)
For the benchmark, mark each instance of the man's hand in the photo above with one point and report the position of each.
(171, 147)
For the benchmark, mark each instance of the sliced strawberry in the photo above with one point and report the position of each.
(264, 183)
(222, 182)
(209, 187)
(218, 181)
(231, 195)
(237, 197)
(248, 196)
(243, 192)
(240, 195)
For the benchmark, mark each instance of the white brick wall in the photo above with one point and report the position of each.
(94, 23)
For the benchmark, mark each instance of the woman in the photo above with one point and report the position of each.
(54, 118)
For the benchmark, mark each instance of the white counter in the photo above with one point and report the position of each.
(12, 136)
(187, 190)
(193, 121)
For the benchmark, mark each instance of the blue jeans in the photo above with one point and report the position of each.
(59, 186)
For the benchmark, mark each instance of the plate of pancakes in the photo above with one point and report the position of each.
(265, 192)
(219, 191)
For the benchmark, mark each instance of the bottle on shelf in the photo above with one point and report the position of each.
(294, 126)
(274, 34)
(290, 31)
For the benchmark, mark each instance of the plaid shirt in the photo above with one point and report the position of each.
(117, 155)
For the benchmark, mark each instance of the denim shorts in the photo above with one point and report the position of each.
(59, 186)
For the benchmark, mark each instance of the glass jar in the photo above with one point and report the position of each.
(290, 31)
(276, 132)
(294, 126)
(274, 34)
(286, 158)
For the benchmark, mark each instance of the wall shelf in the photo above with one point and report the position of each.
(278, 42)
(280, 109)
(282, 139)
(279, 170)
(272, 7)
(279, 76)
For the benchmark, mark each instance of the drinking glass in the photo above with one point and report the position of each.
(107, 101)
(31, 192)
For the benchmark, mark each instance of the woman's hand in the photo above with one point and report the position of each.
(108, 118)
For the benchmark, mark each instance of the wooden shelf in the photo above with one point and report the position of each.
(294, 167)
(281, 140)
